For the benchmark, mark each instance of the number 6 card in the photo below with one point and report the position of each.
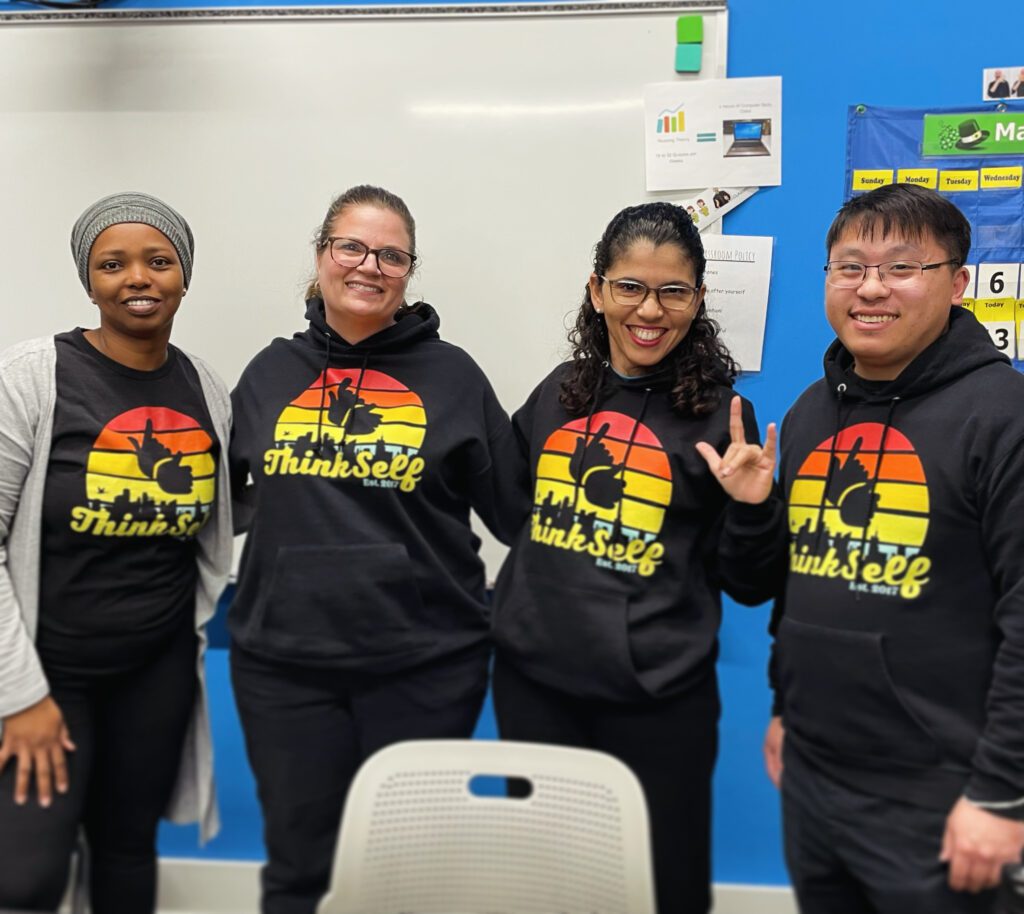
(998, 280)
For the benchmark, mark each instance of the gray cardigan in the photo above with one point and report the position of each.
(27, 398)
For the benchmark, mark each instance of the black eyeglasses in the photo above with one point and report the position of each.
(848, 274)
(347, 252)
(631, 293)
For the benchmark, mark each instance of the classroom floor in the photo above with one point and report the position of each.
(195, 887)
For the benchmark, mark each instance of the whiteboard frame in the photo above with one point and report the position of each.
(409, 11)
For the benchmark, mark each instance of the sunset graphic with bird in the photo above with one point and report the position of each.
(351, 424)
(603, 488)
(860, 510)
(151, 472)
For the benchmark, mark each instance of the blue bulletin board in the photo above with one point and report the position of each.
(884, 145)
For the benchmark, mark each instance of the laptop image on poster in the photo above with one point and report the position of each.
(746, 139)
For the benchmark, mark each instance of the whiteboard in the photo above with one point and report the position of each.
(513, 138)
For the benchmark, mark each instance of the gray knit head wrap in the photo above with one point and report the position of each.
(130, 207)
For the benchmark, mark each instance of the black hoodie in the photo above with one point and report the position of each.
(899, 663)
(364, 462)
(613, 590)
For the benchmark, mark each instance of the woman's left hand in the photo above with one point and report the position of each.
(36, 740)
(745, 471)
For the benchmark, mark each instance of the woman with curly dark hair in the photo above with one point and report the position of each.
(608, 607)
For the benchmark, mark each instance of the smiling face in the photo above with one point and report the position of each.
(360, 301)
(135, 279)
(639, 338)
(886, 329)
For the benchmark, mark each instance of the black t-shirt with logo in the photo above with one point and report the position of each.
(130, 482)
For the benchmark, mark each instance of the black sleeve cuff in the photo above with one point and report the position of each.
(762, 515)
(996, 797)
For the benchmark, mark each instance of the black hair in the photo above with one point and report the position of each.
(908, 210)
(700, 362)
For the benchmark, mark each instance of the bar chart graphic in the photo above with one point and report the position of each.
(671, 121)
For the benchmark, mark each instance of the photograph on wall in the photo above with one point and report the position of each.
(1002, 82)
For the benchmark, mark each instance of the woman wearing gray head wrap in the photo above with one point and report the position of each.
(164, 242)
(115, 544)
(130, 208)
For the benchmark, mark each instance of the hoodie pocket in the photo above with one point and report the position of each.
(341, 601)
(840, 698)
(575, 638)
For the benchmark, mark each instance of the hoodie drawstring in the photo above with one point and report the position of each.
(617, 526)
(578, 476)
(872, 481)
(355, 393)
(324, 445)
(820, 523)
(586, 438)
(323, 397)
(878, 469)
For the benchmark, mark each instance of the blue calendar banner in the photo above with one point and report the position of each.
(887, 145)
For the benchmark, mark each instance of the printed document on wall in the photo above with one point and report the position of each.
(713, 132)
(737, 276)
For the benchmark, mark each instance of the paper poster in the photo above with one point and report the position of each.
(737, 276)
(724, 132)
(706, 207)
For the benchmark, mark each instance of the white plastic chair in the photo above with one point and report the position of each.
(415, 839)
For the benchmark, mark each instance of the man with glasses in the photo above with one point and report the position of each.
(898, 661)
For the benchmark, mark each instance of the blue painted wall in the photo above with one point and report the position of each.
(913, 53)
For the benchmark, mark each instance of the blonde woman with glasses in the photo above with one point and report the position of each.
(360, 446)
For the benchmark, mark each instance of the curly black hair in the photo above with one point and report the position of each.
(701, 361)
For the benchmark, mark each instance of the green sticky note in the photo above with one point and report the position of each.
(688, 58)
(689, 29)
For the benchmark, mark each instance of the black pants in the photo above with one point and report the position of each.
(670, 744)
(307, 731)
(851, 853)
(129, 729)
